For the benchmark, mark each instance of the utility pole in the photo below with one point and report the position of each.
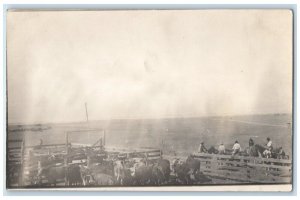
(86, 112)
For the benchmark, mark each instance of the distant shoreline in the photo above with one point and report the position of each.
(137, 119)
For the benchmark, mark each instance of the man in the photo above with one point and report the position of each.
(269, 144)
(236, 148)
(202, 148)
(221, 148)
(268, 152)
(251, 142)
(251, 150)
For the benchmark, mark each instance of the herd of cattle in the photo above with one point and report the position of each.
(51, 171)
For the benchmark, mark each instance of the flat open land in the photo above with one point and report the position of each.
(180, 135)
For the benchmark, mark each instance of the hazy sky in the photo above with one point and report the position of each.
(147, 64)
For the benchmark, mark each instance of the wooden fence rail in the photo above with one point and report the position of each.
(245, 169)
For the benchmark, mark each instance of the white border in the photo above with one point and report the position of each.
(110, 3)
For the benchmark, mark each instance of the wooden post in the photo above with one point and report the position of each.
(248, 168)
(88, 161)
(86, 112)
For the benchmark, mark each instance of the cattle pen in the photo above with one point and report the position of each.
(23, 162)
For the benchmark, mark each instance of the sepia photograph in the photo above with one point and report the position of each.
(158, 99)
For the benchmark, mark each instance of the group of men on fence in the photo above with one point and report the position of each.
(236, 149)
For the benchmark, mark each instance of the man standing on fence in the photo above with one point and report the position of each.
(202, 148)
(221, 148)
(268, 152)
(236, 148)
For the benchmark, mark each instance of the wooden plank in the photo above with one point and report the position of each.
(267, 177)
(231, 168)
(230, 173)
(15, 140)
(275, 180)
(231, 163)
(277, 161)
(222, 156)
(269, 166)
(232, 177)
(257, 169)
(286, 161)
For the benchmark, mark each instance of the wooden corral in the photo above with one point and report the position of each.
(22, 160)
(245, 168)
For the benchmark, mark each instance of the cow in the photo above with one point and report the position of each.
(161, 171)
(101, 179)
(182, 172)
(143, 175)
(188, 171)
(86, 176)
(54, 173)
(123, 172)
(105, 167)
(193, 164)
(119, 172)
(74, 175)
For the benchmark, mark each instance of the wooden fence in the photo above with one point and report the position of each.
(245, 169)
(22, 161)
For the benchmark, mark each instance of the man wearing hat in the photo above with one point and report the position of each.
(268, 152)
(221, 148)
(202, 148)
(236, 148)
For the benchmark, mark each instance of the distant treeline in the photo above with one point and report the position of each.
(20, 128)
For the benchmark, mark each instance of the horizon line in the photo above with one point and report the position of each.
(136, 118)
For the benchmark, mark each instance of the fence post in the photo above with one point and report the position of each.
(213, 164)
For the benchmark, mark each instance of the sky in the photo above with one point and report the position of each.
(147, 64)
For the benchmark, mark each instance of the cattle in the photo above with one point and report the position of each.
(142, 174)
(193, 164)
(74, 176)
(188, 171)
(161, 171)
(102, 180)
(95, 177)
(104, 167)
(119, 172)
(56, 173)
(182, 172)
(86, 176)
